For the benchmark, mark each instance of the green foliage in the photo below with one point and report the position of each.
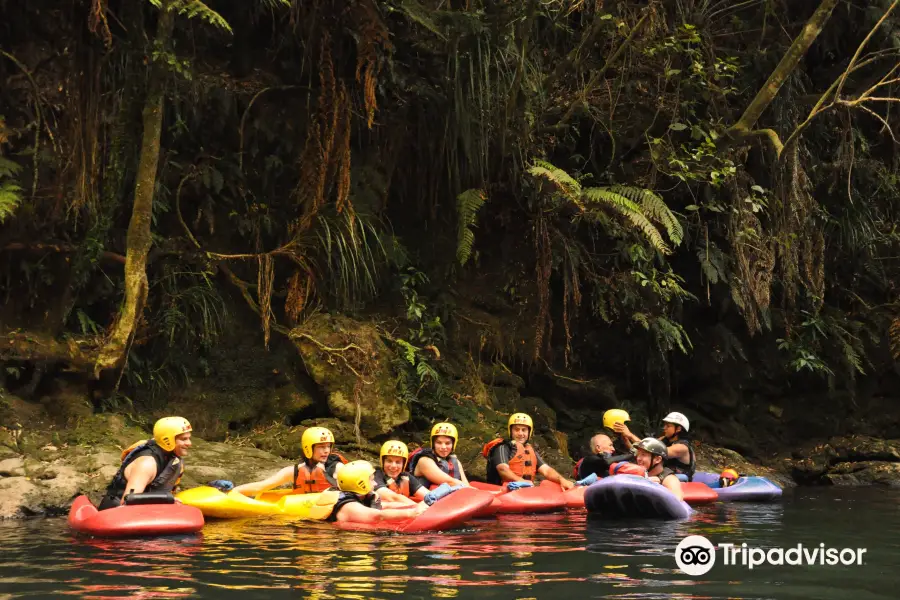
(349, 253)
(10, 191)
(467, 205)
(423, 328)
(637, 206)
(194, 9)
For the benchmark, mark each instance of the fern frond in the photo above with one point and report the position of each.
(196, 8)
(8, 168)
(10, 191)
(566, 184)
(467, 205)
(654, 208)
(421, 15)
(629, 210)
(10, 197)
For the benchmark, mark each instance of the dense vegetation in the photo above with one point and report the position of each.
(666, 192)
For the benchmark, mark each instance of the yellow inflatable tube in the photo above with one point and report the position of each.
(234, 505)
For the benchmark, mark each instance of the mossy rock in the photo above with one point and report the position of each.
(215, 413)
(374, 399)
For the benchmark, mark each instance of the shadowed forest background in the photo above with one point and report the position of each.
(388, 212)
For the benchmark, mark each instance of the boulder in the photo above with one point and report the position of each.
(499, 375)
(216, 413)
(870, 472)
(847, 460)
(332, 348)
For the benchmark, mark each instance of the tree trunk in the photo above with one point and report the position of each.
(139, 237)
(743, 128)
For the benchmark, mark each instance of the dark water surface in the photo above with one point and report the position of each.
(566, 555)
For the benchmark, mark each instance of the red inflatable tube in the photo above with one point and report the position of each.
(450, 512)
(538, 499)
(698, 493)
(134, 521)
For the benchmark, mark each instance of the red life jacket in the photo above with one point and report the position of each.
(576, 467)
(627, 468)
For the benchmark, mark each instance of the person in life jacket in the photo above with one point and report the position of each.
(315, 473)
(614, 423)
(600, 459)
(154, 465)
(515, 459)
(680, 457)
(651, 455)
(392, 482)
(436, 465)
(357, 502)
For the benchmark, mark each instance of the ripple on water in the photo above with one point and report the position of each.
(544, 556)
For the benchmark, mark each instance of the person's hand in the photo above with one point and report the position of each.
(419, 508)
(622, 429)
(565, 484)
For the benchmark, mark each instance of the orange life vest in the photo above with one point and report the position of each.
(312, 480)
(523, 462)
(401, 488)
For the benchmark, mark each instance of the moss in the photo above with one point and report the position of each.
(332, 348)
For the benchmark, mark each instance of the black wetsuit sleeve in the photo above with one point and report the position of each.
(380, 480)
(538, 463)
(593, 464)
(414, 485)
(500, 454)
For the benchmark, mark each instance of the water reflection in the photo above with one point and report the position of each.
(557, 556)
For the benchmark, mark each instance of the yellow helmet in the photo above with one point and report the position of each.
(394, 448)
(448, 429)
(613, 416)
(166, 429)
(520, 419)
(354, 477)
(313, 436)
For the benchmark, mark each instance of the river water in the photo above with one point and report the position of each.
(565, 555)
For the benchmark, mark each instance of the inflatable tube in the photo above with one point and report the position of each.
(220, 505)
(694, 494)
(746, 489)
(450, 512)
(134, 521)
(573, 498)
(698, 493)
(447, 513)
(539, 499)
(632, 496)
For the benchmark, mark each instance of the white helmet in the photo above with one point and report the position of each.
(676, 418)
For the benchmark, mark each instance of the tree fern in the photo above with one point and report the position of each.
(10, 191)
(467, 205)
(631, 211)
